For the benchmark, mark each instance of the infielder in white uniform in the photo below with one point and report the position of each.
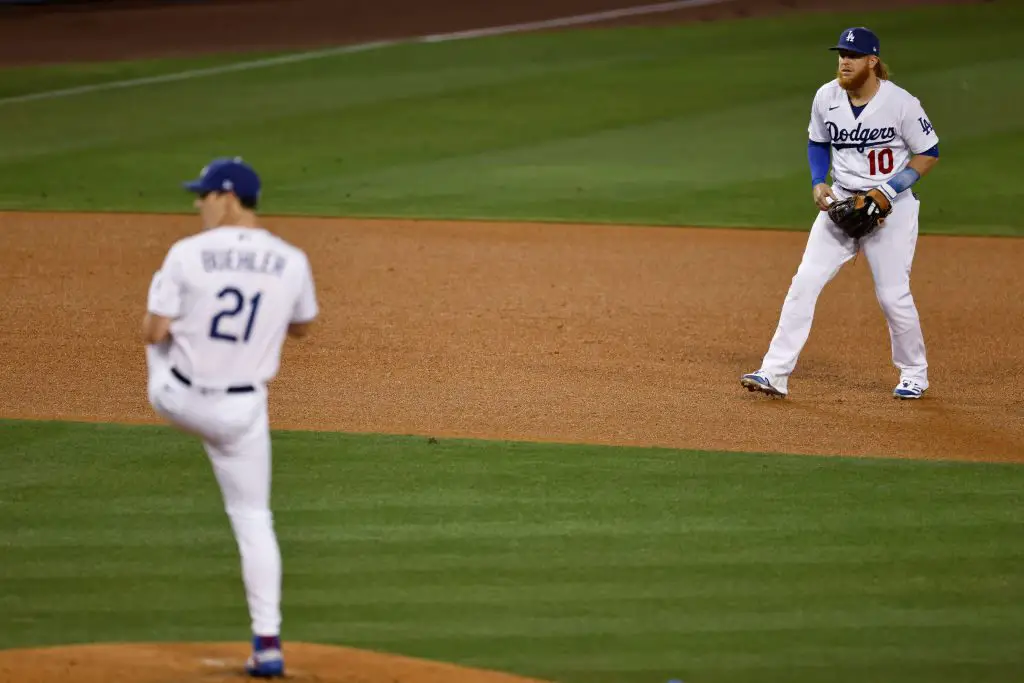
(881, 143)
(218, 311)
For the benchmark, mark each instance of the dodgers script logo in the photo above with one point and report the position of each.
(860, 137)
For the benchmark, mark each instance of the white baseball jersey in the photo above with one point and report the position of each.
(232, 292)
(869, 149)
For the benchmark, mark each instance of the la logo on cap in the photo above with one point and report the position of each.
(850, 37)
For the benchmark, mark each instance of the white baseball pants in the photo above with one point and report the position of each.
(890, 254)
(235, 431)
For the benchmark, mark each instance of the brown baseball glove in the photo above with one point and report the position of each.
(860, 214)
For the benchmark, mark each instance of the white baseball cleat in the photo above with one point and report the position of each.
(908, 389)
(761, 381)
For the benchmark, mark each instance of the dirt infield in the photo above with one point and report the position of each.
(615, 335)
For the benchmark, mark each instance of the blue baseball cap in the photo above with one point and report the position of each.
(859, 39)
(227, 174)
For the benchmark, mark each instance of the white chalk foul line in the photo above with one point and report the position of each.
(576, 20)
(561, 22)
(197, 73)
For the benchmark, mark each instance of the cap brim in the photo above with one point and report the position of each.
(193, 186)
(846, 48)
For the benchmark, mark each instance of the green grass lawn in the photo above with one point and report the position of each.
(577, 564)
(699, 124)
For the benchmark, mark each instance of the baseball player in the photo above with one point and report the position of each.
(218, 311)
(881, 144)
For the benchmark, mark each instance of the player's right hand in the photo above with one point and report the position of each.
(822, 193)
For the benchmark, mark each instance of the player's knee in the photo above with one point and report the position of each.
(897, 303)
(252, 527)
(894, 297)
(808, 282)
(248, 516)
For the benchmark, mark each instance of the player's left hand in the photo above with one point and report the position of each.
(884, 205)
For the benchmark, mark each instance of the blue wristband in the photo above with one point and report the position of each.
(900, 182)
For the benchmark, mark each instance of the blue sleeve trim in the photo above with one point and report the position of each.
(933, 152)
(820, 158)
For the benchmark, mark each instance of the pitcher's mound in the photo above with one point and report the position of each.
(217, 662)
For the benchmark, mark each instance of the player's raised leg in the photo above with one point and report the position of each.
(243, 471)
(890, 253)
(826, 251)
(211, 417)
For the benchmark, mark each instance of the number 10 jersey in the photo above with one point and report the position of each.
(873, 145)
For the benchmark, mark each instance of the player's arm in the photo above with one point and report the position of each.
(155, 328)
(923, 163)
(299, 330)
(819, 155)
(306, 307)
(918, 166)
(163, 304)
(923, 141)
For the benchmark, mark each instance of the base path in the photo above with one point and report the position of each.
(572, 333)
(224, 663)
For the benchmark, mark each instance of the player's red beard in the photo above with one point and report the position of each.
(858, 77)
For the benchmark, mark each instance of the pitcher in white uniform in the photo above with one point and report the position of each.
(876, 136)
(218, 312)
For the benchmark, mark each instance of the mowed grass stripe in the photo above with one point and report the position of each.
(572, 563)
(697, 124)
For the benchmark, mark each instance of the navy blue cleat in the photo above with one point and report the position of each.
(761, 381)
(266, 660)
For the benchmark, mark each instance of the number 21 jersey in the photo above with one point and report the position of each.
(870, 148)
(231, 293)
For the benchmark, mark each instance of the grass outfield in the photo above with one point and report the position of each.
(698, 124)
(577, 564)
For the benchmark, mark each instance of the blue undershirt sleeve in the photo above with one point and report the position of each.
(819, 157)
